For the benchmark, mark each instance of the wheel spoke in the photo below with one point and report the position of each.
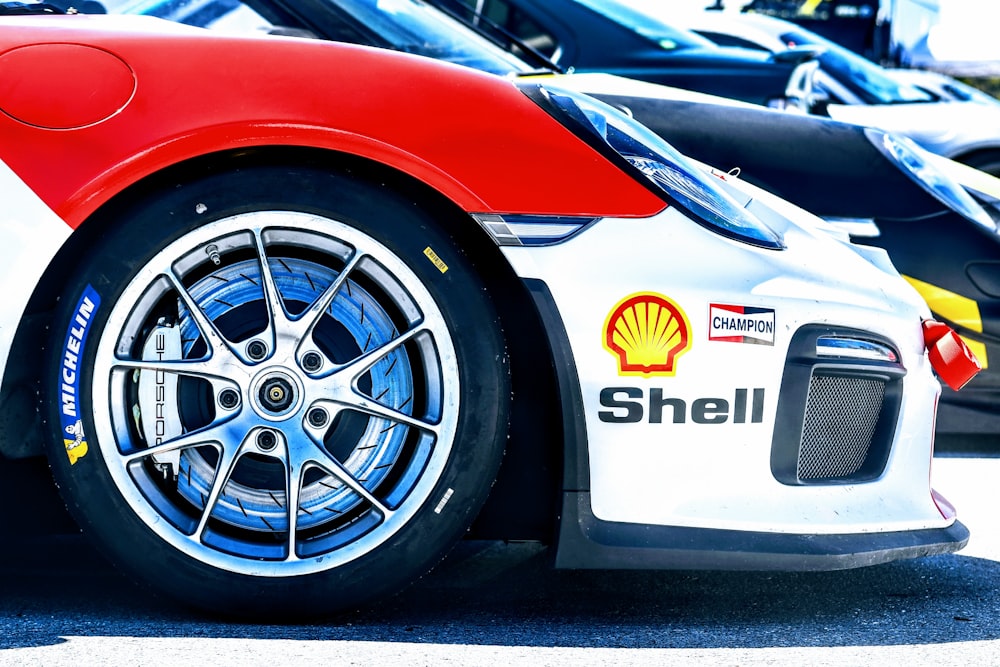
(348, 399)
(315, 454)
(293, 483)
(228, 458)
(198, 438)
(361, 364)
(217, 343)
(307, 321)
(277, 314)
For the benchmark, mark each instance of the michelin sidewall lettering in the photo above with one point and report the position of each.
(70, 371)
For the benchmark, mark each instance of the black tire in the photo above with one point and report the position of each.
(396, 449)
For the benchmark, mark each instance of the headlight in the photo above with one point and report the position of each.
(915, 162)
(653, 162)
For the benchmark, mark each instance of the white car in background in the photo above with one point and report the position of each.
(956, 37)
(925, 106)
(943, 86)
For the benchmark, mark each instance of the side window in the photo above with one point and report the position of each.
(517, 23)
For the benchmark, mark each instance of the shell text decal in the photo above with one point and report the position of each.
(647, 332)
(630, 405)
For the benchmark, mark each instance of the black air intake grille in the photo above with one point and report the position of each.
(840, 420)
(837, 411)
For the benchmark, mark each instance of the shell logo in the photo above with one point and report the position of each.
(647, 332)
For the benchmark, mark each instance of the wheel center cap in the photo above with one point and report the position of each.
(276, 394)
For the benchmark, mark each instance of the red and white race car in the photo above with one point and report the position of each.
(286, 305)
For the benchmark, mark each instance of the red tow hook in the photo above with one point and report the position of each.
(949, 355)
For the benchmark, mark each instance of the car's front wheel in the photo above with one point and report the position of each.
(276, 392)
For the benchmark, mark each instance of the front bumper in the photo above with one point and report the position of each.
(699, 486)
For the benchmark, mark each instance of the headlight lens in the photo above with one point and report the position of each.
(655, 163)
(914, 162)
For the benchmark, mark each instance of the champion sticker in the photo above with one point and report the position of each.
(741, 324)
(69, 375)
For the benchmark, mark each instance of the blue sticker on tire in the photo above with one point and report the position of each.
(69, 375)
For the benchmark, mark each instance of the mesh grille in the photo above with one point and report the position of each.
(840, 420)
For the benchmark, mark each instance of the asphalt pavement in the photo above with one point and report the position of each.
(494, 603)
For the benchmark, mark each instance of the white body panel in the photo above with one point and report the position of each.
(718, 475)
(32, 234)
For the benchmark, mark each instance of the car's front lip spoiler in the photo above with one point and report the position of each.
(586, 542)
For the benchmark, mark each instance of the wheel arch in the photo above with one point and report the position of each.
(533, 455)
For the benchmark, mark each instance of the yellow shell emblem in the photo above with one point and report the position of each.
(647, 332)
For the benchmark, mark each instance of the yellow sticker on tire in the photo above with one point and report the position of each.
(435, 260)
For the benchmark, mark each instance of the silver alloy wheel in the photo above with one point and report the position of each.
(276, 393)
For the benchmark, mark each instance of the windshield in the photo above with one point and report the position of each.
(416, 27)
(404, 25)
(666, 37)
(862, 77)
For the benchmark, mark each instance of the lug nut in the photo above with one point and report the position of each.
(256, 350)
(267, 440)
(317, 417)
(312, 361)
(229, 398)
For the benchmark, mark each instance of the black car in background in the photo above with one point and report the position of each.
(609, 36)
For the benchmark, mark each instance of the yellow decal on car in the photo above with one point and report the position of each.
(808, 8)
(976, 181)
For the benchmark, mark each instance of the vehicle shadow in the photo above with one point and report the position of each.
(499, 594)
